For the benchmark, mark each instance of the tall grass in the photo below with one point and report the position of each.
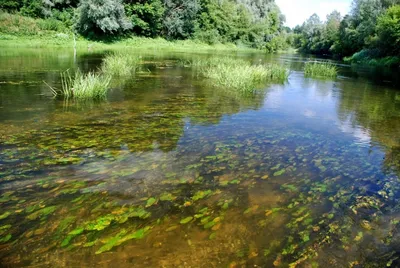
(120, 65)
(320, 69)
(83, 86)
(239, 74)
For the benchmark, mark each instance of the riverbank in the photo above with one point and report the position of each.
(67, 40)
(366, 57)
(19, 31)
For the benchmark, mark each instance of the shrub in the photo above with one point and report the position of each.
(373, 57)
(19, 25)
(101, 17)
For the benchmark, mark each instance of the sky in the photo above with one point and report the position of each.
(297, 12)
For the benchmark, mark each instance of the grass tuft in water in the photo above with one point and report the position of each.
(320, 69)
(84, 86)
(239, 74)
(120, 64)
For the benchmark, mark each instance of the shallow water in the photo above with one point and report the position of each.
(173, 172)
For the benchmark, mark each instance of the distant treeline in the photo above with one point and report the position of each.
(370, 31)
(251, 23)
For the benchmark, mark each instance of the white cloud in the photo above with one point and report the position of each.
(297, 12)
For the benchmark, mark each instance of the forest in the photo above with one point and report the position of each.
(369, 33)
(249, 23)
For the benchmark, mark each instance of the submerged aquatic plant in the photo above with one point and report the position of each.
(239, 74)
(83, 86)
(320, 69)
(120, 65)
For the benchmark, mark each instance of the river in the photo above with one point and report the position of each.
(171, 171)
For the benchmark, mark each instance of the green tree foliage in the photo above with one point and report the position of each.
(10, 5)
(99, 17)
(331, 33)
(255, 23)
(35, 8)
(370, 31)
(250, 23)
(388, 29)
(41, 8)
(266, 22)
(221, 21)
(311, 35)
(364, 17)
(146, 16)
(180, 18)
(317, 37)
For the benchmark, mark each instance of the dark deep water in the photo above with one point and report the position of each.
(173, 172)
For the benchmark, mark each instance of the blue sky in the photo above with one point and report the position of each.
(297, 12)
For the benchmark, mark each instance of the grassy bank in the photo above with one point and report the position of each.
(19, 31)
(143, 43)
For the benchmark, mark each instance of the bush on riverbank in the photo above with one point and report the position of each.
(13, 24)
(372, 57)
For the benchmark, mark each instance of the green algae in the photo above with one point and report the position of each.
(186, 220)
(41, 213)
(5, 215)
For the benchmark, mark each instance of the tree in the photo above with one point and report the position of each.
(312, 35)
(101, 17)
(388, 29)
(331, 33)
(146, 16)
(36, 8)
(259, 9)
(217, 21)
(266, 22)
(180, 18)
(364, 15)
(11, 5)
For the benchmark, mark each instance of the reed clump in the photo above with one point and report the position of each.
(83, 86)
(119, 64)
(320, 69)
(239, 74)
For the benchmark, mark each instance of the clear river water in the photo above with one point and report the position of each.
(171, 171)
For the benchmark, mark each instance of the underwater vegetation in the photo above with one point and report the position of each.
(182, 173)
(320, 69)
(292, 195)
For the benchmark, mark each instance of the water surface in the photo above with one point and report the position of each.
(174, 172)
